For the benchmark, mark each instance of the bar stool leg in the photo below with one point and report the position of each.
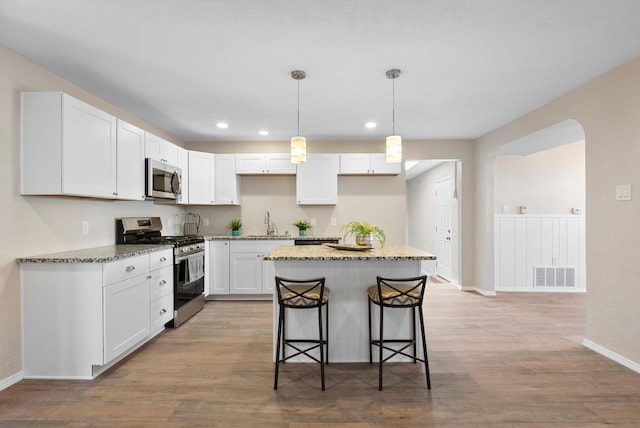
(321, 346)
(278, 344)
(424, 348)
(370, 337)
(413, 333)
(381, 339)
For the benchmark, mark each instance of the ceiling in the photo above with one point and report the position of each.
(468, 67)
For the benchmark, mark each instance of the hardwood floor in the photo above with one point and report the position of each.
(514, 360)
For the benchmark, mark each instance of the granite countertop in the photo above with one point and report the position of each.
(104, 254)
(251, 237)
(324, 252)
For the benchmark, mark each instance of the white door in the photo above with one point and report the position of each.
(443, 228)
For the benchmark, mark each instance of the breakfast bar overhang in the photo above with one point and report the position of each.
(348, 273)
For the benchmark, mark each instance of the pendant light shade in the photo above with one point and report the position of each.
(394, 142)
(298, 143)
(298, 150)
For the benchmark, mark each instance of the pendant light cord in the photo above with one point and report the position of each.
(298, 108)
(393, 106)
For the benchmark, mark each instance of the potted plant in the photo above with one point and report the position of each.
(364, 233)
(235, 225)
(302, 226)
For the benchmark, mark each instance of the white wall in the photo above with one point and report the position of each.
(548, 182)
(608, 109)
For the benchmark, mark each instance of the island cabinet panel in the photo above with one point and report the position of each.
(317, 180)
(68, 147)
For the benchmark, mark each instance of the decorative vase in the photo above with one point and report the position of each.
(235, 233)
(365, 239)
(302, 232)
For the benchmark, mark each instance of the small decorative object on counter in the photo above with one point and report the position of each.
(364, 233)
(235, 225)
(302, 226)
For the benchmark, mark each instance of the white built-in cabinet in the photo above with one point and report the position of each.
(183, 164)
(265, 163)
(202, 177)
(80, 318)
(130, 162)
(317, 180)
(539, 252)
(217, 268)
(68, 147)
(227, 184)
(160, 149)
(236, 268)
(367, 164)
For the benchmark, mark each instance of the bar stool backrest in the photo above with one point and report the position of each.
(401, 292)
(296, 293)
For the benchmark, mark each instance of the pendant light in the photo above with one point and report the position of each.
(298, 143)
(394, 142)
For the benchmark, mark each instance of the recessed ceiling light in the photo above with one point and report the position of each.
(370, 125)
(222, 125)
(263, 132)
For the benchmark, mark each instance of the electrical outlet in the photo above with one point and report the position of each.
(85, 227)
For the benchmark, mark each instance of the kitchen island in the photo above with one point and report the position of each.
(348, 273)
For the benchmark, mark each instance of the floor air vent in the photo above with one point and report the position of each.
(554, 276)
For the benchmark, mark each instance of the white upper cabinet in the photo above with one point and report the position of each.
(183, 164)
(317, 180)
(367, 163)
(130, 165)
(202, 178)
(269, 163)
(226, 181)
(160, 149)
(67, 147)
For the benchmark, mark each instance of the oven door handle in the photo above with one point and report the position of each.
(179, 259)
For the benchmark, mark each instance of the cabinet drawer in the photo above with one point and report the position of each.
(161, 312)
(127, 268)
(160, 259)
(160, 283)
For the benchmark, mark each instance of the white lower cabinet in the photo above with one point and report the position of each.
(236, 268)
(80, 318)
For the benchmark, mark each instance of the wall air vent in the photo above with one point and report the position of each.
(554, 276)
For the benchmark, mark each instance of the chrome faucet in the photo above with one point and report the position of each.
(267, 221)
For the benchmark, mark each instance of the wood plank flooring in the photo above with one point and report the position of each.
(514, 360)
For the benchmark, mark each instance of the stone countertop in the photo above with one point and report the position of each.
(104, 254)
(324, 252)
(268, 238)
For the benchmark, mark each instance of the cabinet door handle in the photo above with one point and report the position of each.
(163, 259)
(148, 276)
(130, 268)
(163, 282)
(163, 311)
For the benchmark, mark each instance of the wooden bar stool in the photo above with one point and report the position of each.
(302, 294)
(395, 293)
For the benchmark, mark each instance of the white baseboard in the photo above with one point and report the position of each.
(13, 379)
(479, 291)
(542, 290)
(612, 355)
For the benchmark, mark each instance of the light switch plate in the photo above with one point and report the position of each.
(623, 192)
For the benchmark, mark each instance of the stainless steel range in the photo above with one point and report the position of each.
(188, 262)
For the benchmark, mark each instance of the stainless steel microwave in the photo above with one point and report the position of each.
(162, 180)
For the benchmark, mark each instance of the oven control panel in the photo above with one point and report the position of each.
(190, 248)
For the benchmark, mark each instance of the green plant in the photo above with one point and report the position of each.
(235, 224)
(302, 224)
(359, 230)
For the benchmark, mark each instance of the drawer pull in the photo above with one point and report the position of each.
(163, 259)
(163, 311)
(163, 282)
(130, 268)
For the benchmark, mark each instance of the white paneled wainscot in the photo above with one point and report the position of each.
(540, 252)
